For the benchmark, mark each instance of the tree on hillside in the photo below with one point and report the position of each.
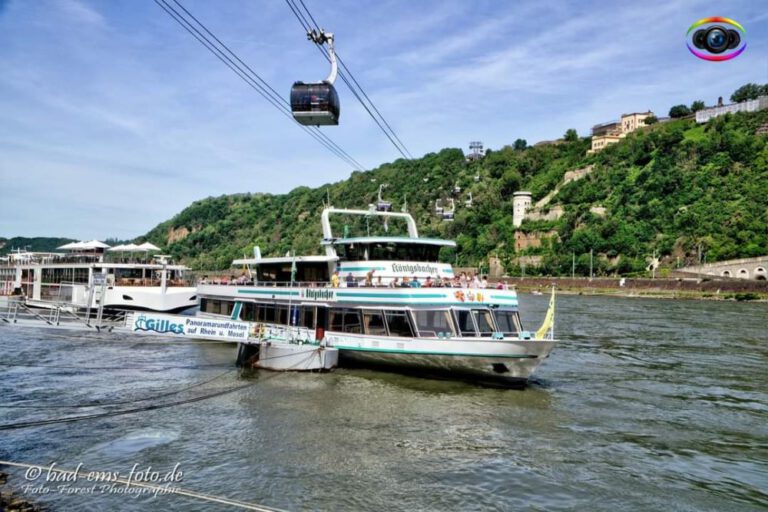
(697, 105)
(679, 111)
(520, 144)
(571, 135)
(748, 92)
(651, 120)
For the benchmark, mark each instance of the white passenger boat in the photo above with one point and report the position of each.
(438, 329)
(86, 275)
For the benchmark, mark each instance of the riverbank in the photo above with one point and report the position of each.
(11, 502)
(703, 289)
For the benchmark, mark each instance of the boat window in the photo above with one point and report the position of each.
(374, 323)
(62, 275)
(303, 316)
(484, 321)
(282, 315)
(224, 307)
(346, 320)
(281, 272)
(508, 322)
(352, 321)
(391, 251)
(266, 313)
(209, 305)
(431, 322)
(337, 320)
(465, 322)
(248, 313)
(399, 324)
(308, 317)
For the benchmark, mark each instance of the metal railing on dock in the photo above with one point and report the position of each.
(15, 310)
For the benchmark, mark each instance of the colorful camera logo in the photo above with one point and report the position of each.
(716, 39)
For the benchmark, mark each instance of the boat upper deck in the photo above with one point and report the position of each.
(400, 296)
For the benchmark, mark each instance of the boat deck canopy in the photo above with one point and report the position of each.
(285, 259)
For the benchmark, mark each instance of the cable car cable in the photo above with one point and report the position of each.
(304, 24)
(358, 85)
(394, 134)
(272, 92)
(277, 101)
(274, 99)
(307, 27)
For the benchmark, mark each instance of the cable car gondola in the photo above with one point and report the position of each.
(317, 104)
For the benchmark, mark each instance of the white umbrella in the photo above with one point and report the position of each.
(149, 247)
(93, 244)
(71, 246)
(119, 248)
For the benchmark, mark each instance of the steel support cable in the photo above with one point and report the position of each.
(243, 75)
(276, 95)
(394, 134)
(357, 83)
(307, 26)
(317, 135)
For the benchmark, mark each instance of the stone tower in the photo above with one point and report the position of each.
(521, 201)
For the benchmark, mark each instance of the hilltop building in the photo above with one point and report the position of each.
(612, 132)
(704, 115)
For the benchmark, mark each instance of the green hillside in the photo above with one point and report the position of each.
(677, 189)
(36, 244)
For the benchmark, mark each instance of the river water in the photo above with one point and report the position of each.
(646, 405)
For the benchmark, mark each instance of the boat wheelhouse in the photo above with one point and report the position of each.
(353, 298)
(87, 277)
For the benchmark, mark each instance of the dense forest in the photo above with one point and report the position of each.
(682, 191)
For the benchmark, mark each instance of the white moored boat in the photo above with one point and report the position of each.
(88, 276)
(431, 329)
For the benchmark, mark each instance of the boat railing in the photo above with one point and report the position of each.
(145, 282)
(387, 282)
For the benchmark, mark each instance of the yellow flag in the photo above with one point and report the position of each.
(549, 319)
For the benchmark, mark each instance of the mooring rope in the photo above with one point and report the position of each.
(158, 488)
(150, 407)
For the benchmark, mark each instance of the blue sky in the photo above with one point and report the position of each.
(113, 119)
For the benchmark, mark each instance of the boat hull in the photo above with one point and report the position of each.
(285, 357)
(510, 362)
(140, 298)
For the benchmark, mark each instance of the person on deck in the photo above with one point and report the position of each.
(335, 280)
(415, 282)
